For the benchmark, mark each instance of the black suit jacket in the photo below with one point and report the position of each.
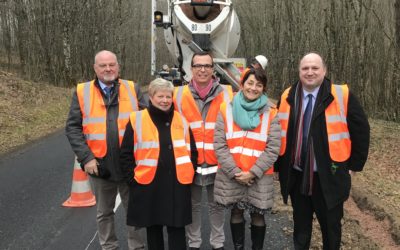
(335, 185)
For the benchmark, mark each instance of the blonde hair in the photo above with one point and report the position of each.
(160, 84)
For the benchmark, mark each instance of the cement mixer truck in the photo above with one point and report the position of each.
(200, 25)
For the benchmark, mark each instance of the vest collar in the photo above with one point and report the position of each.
(324, 97)
(324, 93)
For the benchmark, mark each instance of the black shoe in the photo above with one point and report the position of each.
(219, 248)
(194, 248)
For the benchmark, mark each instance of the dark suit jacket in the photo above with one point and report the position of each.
(335, 185)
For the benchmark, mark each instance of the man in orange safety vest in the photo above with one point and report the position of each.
(325, 137)
(99, 112)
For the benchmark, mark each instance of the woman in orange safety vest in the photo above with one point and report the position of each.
(157, 152)
(247, 142)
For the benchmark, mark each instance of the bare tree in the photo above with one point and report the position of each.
(360, 39)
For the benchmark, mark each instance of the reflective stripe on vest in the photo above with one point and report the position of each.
(336, 123)
(147, 148)
(94, 113)
(247, 146)
(283, 114)
(206, 171)
(203, 131)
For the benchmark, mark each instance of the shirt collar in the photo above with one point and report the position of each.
(314, 93)
(102, 85)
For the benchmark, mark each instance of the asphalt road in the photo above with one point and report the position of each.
(36, 179)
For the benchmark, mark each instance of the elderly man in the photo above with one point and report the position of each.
(325, 137)
(96, 123)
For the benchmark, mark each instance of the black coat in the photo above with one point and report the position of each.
(164, 201)
(335, 185)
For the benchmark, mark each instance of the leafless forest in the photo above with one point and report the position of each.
(55, 41)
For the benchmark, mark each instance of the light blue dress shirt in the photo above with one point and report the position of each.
(102, 86)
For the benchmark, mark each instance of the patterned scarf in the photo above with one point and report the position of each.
(308, 165)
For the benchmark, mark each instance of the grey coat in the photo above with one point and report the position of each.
(226, 189)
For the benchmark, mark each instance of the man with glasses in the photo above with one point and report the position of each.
(199, 103)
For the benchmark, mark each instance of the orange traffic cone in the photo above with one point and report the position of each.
(81, 193)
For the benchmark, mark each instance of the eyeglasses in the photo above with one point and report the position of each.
(200, 66)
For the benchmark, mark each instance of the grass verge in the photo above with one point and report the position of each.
(29, 110)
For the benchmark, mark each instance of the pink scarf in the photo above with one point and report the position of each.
(202, 92)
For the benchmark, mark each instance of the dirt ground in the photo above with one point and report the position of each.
(29, 111)
(376, 190)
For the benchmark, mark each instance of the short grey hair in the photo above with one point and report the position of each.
(160, 84)
(105, 52)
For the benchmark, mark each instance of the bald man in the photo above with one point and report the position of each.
(325, 139)
(96, 123)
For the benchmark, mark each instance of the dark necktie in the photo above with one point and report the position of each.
(108, 91)
(306, 127)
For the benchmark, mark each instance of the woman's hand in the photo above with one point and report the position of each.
(245, 178)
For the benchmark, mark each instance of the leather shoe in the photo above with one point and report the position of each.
(194, 248)
(219, 248)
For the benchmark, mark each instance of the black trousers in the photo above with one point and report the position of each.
(176, 238)
(303, 209)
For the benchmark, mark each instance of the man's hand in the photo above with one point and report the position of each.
(91, 167)
(245, 178)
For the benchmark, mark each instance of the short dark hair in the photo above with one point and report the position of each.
(259, 74)
(202, 53)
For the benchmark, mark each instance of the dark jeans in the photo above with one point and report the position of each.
(176, 238)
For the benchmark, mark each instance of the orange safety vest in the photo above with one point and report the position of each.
(247, 146)
(336, 123)
(147, 148)
(203, 131)
(245, 71)
(94, 113)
